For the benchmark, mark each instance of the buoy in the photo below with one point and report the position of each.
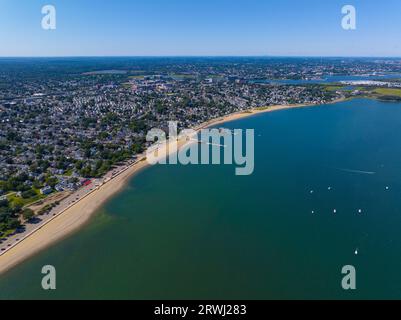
(356, 252)
(335, 211)
(387, 188)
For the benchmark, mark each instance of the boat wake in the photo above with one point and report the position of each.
(356, 171)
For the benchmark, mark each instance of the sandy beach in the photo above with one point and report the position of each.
(75, 216)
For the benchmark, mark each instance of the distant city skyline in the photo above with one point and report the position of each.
(204, 28)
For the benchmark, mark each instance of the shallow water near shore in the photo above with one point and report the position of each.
(200, 232)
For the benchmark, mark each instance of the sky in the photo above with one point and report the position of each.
(200, 28)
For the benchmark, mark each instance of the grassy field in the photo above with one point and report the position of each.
(14, 200)
(371, 92)
(333, 88)
(388, 92)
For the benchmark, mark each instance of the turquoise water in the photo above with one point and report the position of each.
(202, 232)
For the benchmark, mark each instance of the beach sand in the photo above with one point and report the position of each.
(80, 213)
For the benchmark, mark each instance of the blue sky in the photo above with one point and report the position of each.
(200, 27)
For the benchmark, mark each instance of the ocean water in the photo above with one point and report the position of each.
(200, 232)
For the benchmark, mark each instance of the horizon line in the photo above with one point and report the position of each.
(197, 56)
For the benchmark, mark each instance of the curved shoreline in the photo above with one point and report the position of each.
(74, 217)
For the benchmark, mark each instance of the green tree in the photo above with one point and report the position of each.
(28, 214)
